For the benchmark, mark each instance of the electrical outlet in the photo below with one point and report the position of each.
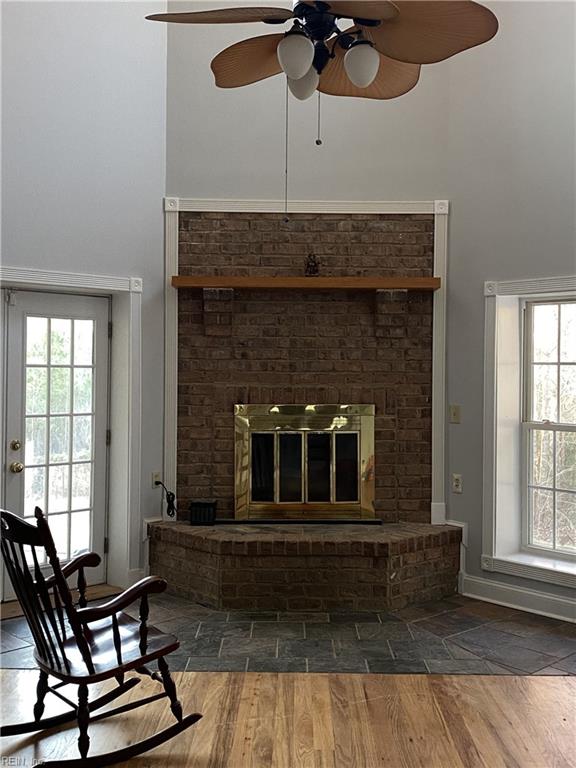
(456, 483)
(156, 478)
(454, 414)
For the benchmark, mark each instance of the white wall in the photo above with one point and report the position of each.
(492, 130)
(83, 97)
(512, 170)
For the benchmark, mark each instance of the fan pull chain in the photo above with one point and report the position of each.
(318, 139)
(286, 157)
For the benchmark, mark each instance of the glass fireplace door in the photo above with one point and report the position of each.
(307, 461)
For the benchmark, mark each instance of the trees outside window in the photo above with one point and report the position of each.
(549, 426)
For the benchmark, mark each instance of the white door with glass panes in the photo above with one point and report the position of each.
(56, 417)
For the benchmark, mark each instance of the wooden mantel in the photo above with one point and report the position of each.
(314, 283)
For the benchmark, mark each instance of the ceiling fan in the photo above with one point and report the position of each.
(379, 57)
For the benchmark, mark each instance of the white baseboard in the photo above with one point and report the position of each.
(518, 597)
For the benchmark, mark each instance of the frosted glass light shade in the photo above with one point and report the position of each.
(304, 87)
(361, 63)
(295, 54)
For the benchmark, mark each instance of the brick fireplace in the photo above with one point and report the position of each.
(241, 347)
(299, 346)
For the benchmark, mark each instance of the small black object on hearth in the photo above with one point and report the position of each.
(202, 512)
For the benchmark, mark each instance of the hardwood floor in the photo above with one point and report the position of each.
(264, 720)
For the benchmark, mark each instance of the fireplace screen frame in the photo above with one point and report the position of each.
(302, 419)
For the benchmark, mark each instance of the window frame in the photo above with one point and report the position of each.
(528, 425)
(502, 458)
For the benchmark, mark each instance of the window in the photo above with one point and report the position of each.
(529, 450)
(549, 427)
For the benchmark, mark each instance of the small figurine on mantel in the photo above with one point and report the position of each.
(312, 267)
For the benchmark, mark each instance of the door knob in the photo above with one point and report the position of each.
(16, 467)
(15, 445)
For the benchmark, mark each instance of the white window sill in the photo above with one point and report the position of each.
(530, 566)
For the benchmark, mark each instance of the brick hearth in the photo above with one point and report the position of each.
(307, 567)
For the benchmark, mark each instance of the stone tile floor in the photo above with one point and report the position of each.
(453, 636)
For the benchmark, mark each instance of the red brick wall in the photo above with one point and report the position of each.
(306, 346)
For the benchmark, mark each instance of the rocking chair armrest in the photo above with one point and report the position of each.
(87, 560)
(142, 588)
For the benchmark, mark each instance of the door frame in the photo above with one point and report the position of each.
(18, 305)
(124, 565)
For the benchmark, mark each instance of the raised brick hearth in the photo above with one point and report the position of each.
(307, 567)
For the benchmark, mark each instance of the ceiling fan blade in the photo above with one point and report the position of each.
(247, 62)
(226, 16)
(363, 9)
(393, 79)
(426, 31)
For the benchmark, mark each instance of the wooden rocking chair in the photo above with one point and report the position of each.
(82, 645)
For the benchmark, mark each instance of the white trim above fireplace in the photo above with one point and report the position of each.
(440, 209)
(177, 204)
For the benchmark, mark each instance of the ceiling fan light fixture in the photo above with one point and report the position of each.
(361, 63)
(304, 87)
(295, 54)
(379, 57)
